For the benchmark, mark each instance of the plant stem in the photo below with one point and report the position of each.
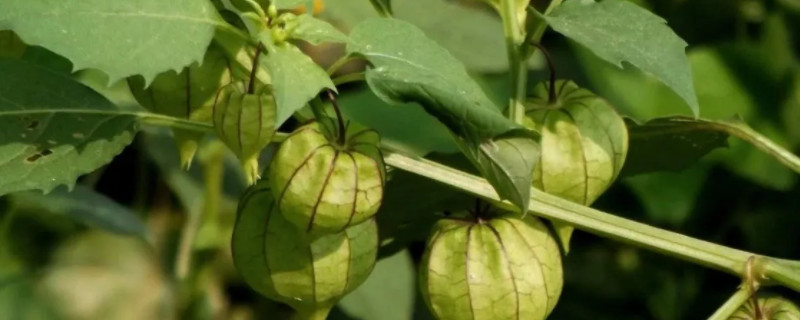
(342, 133)
(251, 85)
(316, 314)
(734, 302)
(744, 132)
(783, 273)
(348, 78)
(515, 37)
(338, 64)
(173, 122)
(551, 91)
(705, 253)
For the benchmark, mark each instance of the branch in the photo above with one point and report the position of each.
(711, 255)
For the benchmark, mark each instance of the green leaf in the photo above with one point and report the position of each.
(315, 31)
(409, 67)
(189, 94)
(669, 197)
(466, 25)
(86, 206)
(54, 129)
(405, 127)
(121, 38)
(507, 162)
(669, 144)
(388, 293)
(618, 31)
(296, 79)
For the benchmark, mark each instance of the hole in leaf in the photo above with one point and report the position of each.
(33, 158)
(46, 152)
(33, 125)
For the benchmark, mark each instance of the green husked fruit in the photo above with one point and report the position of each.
(502, 268)
(771, 307)
(323, 186)
(279, 262)
(245, 122)
(584, 144)
(188, 95)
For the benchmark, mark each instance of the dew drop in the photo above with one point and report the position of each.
(368, 47)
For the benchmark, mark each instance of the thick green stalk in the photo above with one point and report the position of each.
(734, 302)
(515, 37)
(705, 253)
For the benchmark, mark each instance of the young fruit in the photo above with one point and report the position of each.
(187, 95)
(245, 121)
(584, 144)
(281, 263)
(324, 186)
(769, 307)
(501, 268)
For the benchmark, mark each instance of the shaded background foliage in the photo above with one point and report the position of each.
(744, 57)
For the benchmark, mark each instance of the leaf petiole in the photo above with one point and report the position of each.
(348, 78)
